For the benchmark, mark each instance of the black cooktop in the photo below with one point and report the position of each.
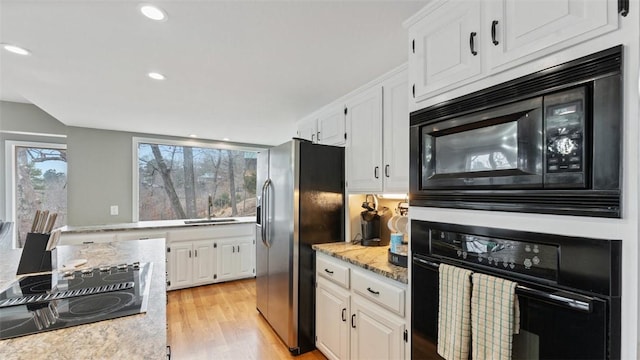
(38, 303)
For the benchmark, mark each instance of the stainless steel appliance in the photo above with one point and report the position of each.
(548, 142)
(38, 303)
(301, 203)
(568, 288)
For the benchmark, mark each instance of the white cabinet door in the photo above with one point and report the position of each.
(245, 265)
(204, 262)
(527, 29)
(375, 334)
(181, 264)
(445, 47)
(332, 320)
(307, 129)
(396, 133)
(364, 141)
(331, 126)
(226, 259)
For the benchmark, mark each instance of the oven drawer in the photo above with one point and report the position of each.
(333, 271)
(386, 295)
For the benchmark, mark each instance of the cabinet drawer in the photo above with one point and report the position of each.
(333, 271)
(386, 295)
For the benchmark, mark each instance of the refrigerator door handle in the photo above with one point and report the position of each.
(265, 212)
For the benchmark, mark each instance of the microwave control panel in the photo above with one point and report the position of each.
(565, 150)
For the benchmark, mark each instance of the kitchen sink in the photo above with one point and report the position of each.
(210, 221)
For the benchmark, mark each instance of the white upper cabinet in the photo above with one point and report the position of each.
(521, 30)
(326, 126)
(454, 42)
(331, 125)
(308, 129)
(378, 137)
(364, 141)
(395, 99)
(444, 46)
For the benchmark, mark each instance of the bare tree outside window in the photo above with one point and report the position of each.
(175, 182)
(40, 184)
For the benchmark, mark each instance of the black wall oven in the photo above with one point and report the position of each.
(548, 142)
(568, 288)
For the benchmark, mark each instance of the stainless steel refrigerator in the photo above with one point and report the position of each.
(300, 203)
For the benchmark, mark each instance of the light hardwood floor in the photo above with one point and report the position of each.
(220, 321)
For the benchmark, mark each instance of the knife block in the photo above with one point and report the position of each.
(35, 257)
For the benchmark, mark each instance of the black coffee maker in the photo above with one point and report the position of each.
(373, 234)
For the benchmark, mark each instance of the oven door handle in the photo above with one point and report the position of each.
(422, 261)
(576, 302)
(584, 305)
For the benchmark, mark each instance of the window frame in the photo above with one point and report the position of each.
(135, 174)
(10, 168)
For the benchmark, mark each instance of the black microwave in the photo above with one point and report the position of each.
(548, 142)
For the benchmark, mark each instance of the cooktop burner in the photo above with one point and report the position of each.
(40, 303)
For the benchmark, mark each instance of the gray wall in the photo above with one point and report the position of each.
(100, 167)
(24, 122)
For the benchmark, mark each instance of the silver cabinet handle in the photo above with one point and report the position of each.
(189, 253)
(196, 253)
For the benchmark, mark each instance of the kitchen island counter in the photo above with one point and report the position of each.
(141, 336)
(373, 258)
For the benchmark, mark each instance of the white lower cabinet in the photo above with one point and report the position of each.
(191, 263)
(332, 327)
(235, 258)
(210, 254)
(375, 334)
(355, 325)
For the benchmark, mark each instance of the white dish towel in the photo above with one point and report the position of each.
(495, 317)
(454, 312)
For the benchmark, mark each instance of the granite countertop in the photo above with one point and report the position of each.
(146, 225)
(373, 258)
(141, 336)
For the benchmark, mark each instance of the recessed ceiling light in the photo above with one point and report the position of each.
(156, 76)
(16, 49)
(193, 135)
(225, 139)
(153, 12)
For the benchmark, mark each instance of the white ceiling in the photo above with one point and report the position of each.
(245, 70)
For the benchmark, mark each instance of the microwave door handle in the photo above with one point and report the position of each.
(563, 301)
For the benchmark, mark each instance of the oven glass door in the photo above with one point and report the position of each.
(550, 327)
(496, 148)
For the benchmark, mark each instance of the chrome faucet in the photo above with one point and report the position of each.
(210, 207)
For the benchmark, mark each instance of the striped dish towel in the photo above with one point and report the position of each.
(454, 312)
(494, 317)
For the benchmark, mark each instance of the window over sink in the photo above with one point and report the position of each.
(174, 180)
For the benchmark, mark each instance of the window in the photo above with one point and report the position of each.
(174, 180)
(38, 182)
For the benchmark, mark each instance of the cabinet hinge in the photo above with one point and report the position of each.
(406, 336)
(215, 276)
(345, 136)
(413, 90)
(413, 45)
(316, 338)
(168, 249)
(345, 111)
(168, 283)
